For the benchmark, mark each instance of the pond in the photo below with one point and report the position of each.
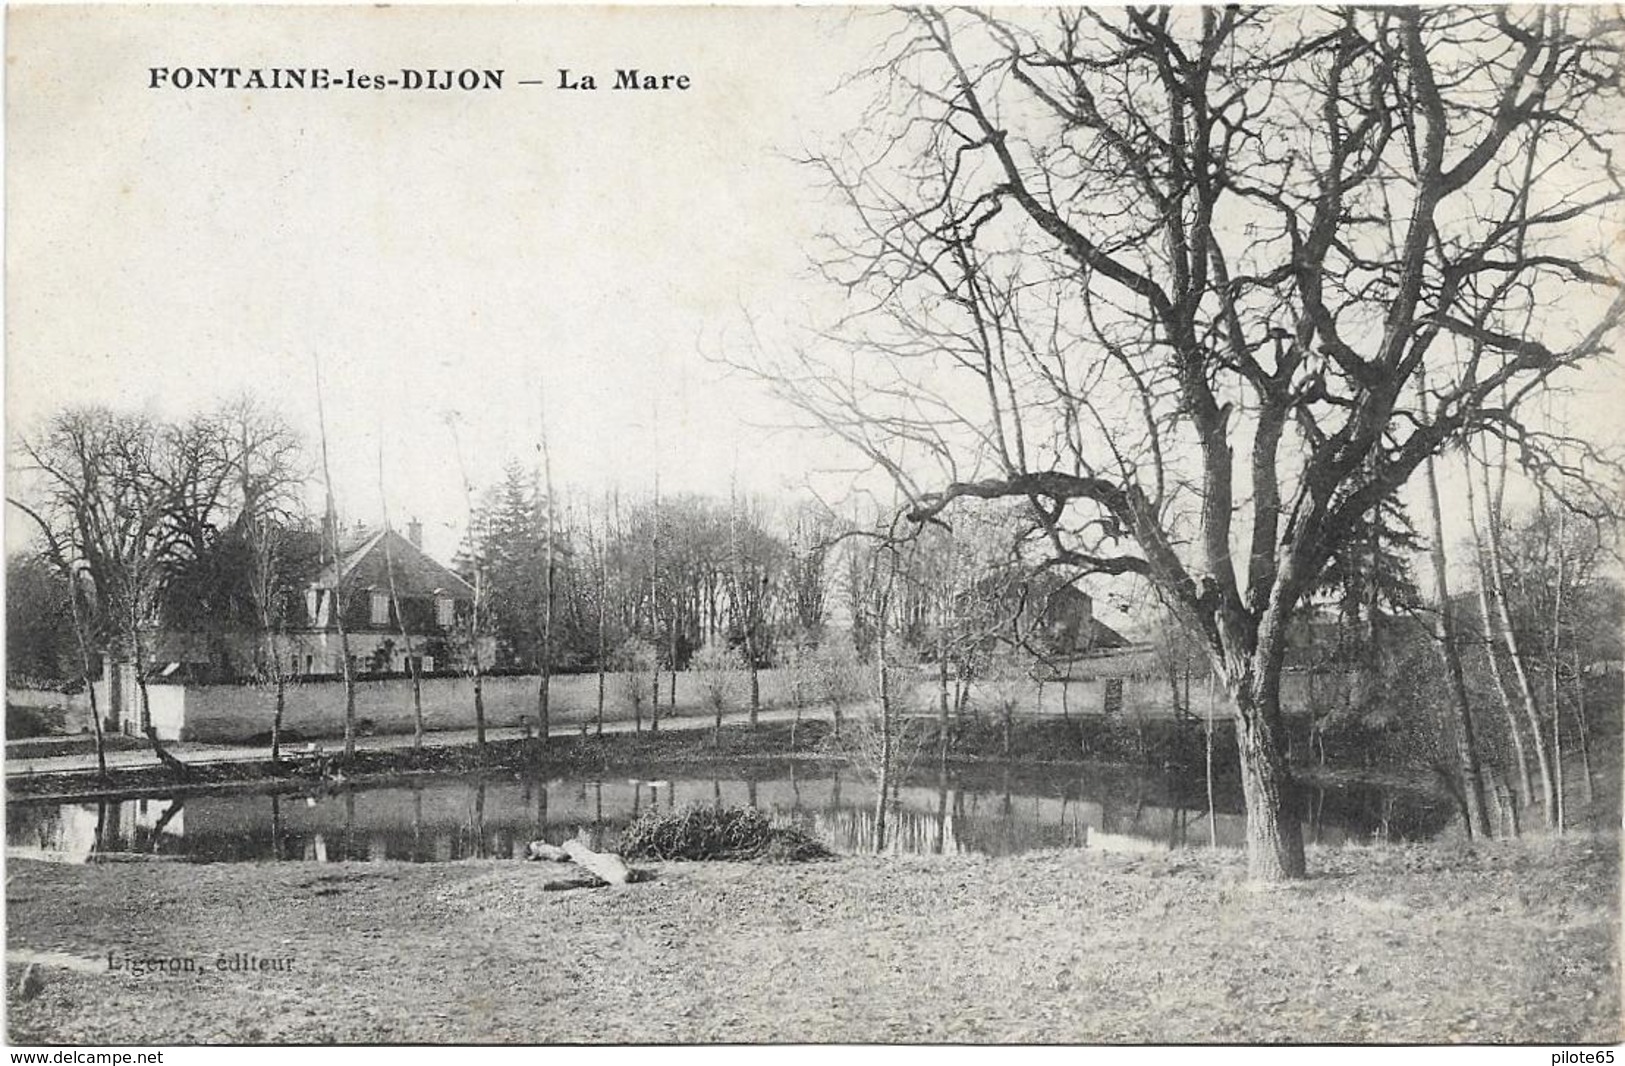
(993, 810)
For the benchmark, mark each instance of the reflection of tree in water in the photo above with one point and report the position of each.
(417, 825)
(276, 827)
(994, 809)
(349, 824)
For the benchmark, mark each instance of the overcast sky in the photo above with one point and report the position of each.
(487, 253)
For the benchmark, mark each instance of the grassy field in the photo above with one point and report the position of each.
(1510, 941)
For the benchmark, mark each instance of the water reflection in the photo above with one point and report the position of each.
(986, 809)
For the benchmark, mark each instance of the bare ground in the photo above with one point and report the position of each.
(1510, 941)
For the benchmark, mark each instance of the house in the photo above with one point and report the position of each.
(1069, 624)
(433, 602)
(385, 580)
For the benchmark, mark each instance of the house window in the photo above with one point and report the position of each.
(443, 611)
(380, 609)
(293, 664)
(428, 664)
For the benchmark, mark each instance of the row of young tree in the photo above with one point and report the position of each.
(654, 586)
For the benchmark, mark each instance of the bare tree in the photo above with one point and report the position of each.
(1492, 660)
(269, 466)
(636, 655)
(1170, 276)
(414, 664)
(99, 479)
(1494, 570)
(718, 668)
(57, 554)
(476, 631)
(550, 532)
(1469, 788)
(654, 609)
(1553, 666)
(600, 558)
(339, 594)
(752, 568)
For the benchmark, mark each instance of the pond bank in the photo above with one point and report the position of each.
(1505, 941)
(683, 742)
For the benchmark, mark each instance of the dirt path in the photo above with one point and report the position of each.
(216, 754)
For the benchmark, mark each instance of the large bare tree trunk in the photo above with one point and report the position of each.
(1274, 837)
(1444, 632)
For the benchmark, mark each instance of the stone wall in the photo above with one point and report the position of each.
(315, 708)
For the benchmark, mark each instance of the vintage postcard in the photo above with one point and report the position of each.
(736, 525)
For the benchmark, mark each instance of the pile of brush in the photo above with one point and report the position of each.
(699, 833)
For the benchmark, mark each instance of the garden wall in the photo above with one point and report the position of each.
(315, 707)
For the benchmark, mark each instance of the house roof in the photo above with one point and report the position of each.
(366, 559)
(1102, 635)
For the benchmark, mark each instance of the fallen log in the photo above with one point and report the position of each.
(564, 884)
(542, 851)
(607, 866)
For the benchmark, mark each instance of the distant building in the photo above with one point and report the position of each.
(429, 597)
(426, 595)
(1069, 624)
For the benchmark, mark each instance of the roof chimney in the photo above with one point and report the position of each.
(414, 533)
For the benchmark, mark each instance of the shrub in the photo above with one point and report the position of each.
(23, 723)
(718, 668)
(698, 833)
